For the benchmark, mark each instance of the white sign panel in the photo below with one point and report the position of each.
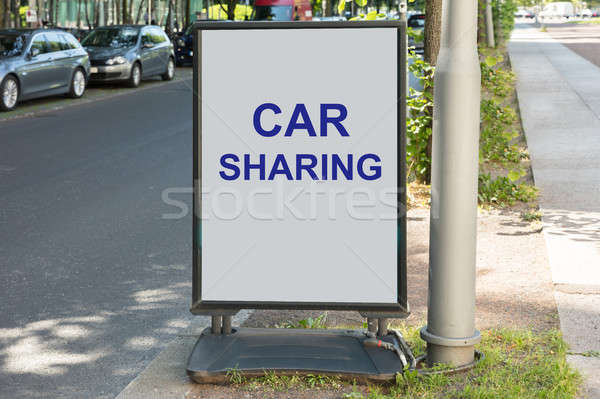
(298, 166)
(31, 16)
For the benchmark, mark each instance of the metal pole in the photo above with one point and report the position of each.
(450, 332)
(489, 24)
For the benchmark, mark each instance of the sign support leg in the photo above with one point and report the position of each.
(450, 332)
(383, 329)
(226, 324)
(215, 323)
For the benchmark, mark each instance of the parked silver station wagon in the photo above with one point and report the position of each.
(129, 53)
(40, 62)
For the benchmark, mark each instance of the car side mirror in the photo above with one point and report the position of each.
(148, 45)
(34, 52)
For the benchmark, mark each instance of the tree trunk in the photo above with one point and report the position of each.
(104, 12)
(433, 29)
(87, 16)
(187, 13)
(139, 12)
(499, 31)
(117, 12)
(6, 13)
(431, 43)
(124, 16)
(78, 14)
(50, 12)
(169, 23)
(231, 9)
(480, 21)
(489, 24)
(97, 13)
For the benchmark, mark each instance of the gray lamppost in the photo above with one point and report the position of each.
(450, 332)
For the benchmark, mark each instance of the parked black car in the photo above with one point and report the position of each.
(79, 34)
(40, 62)
(184, 47)
(129, 53)
(184, 44)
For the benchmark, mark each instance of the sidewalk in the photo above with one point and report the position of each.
(559, 97)
(514, 290)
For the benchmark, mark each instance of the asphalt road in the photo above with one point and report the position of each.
(94, 280)
(583, 39)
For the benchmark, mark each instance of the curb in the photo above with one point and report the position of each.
(166, 377)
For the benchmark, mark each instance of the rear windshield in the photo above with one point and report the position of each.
(11, 45)
(125, 37)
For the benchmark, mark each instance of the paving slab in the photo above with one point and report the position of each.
(559, 98)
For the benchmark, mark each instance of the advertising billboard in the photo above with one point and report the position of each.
(299, 166)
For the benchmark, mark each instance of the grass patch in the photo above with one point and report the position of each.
(502, 192)
(518, 364)
(532, 215)
(317, 322)
(503, 155)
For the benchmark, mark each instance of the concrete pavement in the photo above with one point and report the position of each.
(559, 97)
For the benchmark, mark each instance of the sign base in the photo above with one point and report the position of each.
(251, 352)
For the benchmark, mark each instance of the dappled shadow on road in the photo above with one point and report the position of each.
(59, 354)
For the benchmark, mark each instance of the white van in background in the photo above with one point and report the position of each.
(561, 9)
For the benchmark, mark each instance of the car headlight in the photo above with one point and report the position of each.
(180, 42)
(116, 61)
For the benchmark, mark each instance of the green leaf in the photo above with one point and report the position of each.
(514, 175)
(361, 3)
(371, 16)
(341, 6)
(490, 61)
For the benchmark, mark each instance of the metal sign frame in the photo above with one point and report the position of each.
(399, 309)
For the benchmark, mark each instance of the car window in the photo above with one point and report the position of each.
(12, 45)
(39, 42)
(54, 42)
(69, 42)
(147, 37)
(112, 37)
(158, 36)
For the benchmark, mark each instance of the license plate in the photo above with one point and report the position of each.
(191, 53)
(93, 70)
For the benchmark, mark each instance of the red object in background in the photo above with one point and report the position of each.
(274, 3)
(302, 10)
(283, 10)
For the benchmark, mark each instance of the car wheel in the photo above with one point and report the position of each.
(77, 84)
(136, 75)
(170, 72)
(9, 93)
